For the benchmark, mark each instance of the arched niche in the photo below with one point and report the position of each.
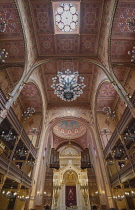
(52, 123)
(30, 97)
(70, 177)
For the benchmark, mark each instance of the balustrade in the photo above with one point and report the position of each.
(13, 120)
(10, 170)
(121, 126)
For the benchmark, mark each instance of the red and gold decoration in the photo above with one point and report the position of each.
(71, 196)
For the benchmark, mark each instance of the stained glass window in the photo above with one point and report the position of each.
(66, 17)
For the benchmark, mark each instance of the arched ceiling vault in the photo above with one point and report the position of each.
(111, 77)
(106, 96)
(90, 46)
(83, 141)
(122, 40)
(30, 97)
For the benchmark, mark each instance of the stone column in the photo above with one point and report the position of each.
(62, 198)
(53, 200)
(80, 205)
(88, 201)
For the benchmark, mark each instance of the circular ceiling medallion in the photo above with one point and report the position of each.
(66, 17)
(69, 129)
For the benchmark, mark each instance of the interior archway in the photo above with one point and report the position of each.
(67, 154)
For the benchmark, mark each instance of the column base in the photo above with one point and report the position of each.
(81, 208)
(88, 207)
(61, 207)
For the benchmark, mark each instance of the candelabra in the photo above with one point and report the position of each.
(107, 110)
(29, 112)
(8, 137)
(3, 55)
(133, 54)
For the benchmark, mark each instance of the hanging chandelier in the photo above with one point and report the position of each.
(29, 112)
(131, 24)
(22, 152)
(129, 136)
(109, 112)
(9, 194)
(130, 194)
(2, 24)
(8, 137)
(3, 56)
(119, 197)
(70, 85)
(132, 53)
(31, 162)
(23, 198)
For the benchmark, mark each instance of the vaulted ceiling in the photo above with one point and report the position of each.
(68, 46)
(122, 39)
(50, 44)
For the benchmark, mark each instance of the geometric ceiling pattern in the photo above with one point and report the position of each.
(15, 74)
(30, 97)
(50, 70)
(49, 43)
(12, 39)
(107, 96)
(122, 38)
(84, 44)
(121, 73)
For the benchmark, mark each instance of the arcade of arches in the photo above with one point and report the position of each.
(67, 155)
